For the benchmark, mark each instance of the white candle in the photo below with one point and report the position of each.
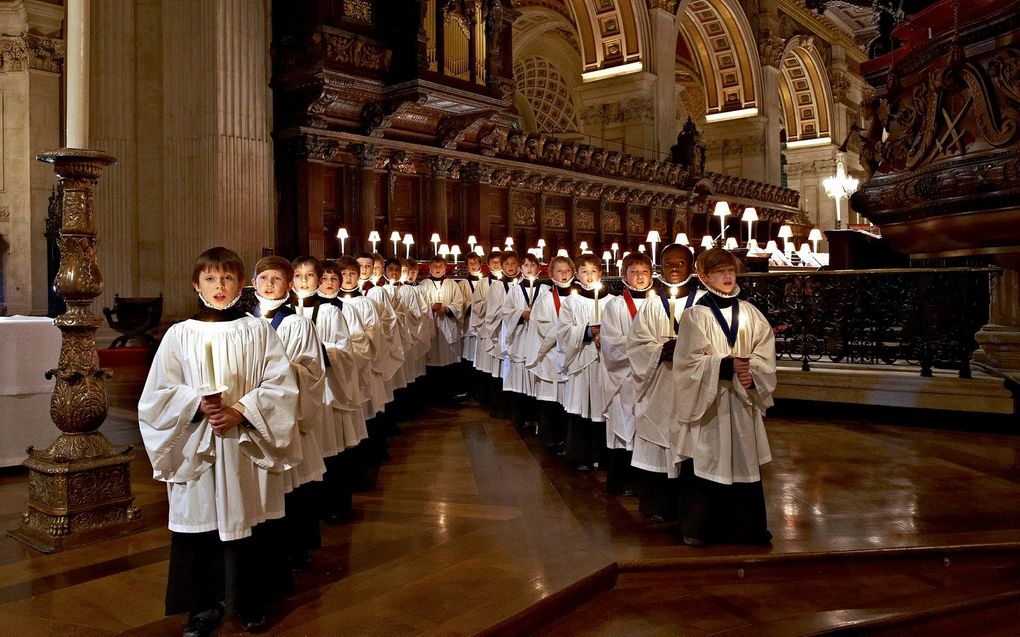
(743, 345)
(76, 64)
(672, 308)
(598, 286)
(210, 369)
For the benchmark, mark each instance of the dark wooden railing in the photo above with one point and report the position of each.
(920, 316)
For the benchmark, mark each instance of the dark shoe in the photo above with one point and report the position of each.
(254, 624)
(203, 624)
(693, 541)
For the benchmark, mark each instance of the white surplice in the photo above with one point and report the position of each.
(373, 355)
(215, 483)
(447, 331)
(617, 380)
(416, 328)
(654, 388)
(304, 349)
(343, 389)
(543, 359)
(485, 361)
(720, 422)
(470, 341)
(491, 337)
(513, 334)
(579, 358)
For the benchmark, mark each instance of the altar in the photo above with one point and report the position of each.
(29, 347)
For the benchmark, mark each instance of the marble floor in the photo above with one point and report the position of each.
(475, 528)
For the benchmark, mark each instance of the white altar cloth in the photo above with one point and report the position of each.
(29, 346)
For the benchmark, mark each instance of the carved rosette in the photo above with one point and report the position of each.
(79, 486)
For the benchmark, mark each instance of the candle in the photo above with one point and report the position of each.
(672, 308)
(743, 345)
(77, 73)
(598, 286)
(210, 369)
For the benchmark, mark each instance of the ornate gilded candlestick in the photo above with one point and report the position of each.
(79, 486)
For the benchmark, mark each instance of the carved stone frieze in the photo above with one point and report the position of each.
(30, 51)
(474, 172)
(636, 109)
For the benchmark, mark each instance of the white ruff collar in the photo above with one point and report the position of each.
(735, 294)
(304, 294)
(328, 296)
(565, 286)
(589, 288)
(268, 305)
(213, 307)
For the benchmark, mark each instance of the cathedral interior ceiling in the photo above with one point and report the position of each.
(804, 95)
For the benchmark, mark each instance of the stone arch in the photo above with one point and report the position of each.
(721, 44)
(805, 92)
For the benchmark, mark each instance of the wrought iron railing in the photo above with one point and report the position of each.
(922, 316)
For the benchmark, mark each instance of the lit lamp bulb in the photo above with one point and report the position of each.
(641, 248)
(395, 238)
(455, 251)
(480, 251)
(408, 242)
(681, 239)
(785, 233)
(435, 242)
(706, 242)
(471, 242)
(444, 250)
(722, 210)
(495, 248)
(814, 237)
(562, 252)
(374, 238)
(749, 217)
(342, 235)
(606, 256)
(541, 248)
(583, 247)
(653, 238)
(752, 246)
(771, 247)
(615, 248)
(509, 242)
(731, 243)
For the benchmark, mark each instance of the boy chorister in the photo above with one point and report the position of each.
(420, 328)
(496, 335)
(218, 411)
(725, 370)
(578, 341)
(542, 358)
(486, 362)
(650, 349)
(446, 305)
(343, 393)
(272, 282)
(517, 309)
(473, 262)
(617, 379)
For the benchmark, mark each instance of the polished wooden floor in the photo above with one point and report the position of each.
(474, 528)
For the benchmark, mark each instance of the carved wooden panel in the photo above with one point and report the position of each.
(454, 201)
(636, 222)
(585, 215)
(524, 209)
(497, 207)
(611, 222)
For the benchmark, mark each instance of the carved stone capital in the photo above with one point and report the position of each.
(440, 166)
(770, 48)
(369, 157)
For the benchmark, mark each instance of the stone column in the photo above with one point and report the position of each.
(663, 28)
(619, 114)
